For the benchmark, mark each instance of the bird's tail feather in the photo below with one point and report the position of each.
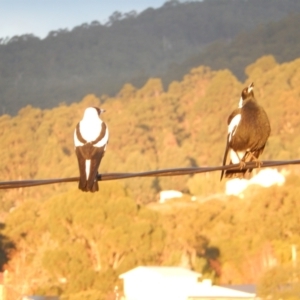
(238, 173)
(225, 157)
(88, 186)
(82, 185)
(92, 185)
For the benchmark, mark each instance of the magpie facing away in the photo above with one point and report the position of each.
(248, 131)
(90, 139)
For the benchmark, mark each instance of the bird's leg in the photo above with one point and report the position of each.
(242, 163)
(257, 161)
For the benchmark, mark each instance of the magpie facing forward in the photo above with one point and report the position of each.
(90, 139)
(248, 131)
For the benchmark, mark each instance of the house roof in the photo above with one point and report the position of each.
(201, 290)
(161, 271)
(248, 288)
(40, 298)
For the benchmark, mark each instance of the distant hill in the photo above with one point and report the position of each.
(281, 39)
(99, 59)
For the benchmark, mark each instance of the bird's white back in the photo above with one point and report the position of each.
(90, 125)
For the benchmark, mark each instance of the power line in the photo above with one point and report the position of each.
(157, 173)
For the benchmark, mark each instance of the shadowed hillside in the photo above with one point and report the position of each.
(100, 58)
(277, 38)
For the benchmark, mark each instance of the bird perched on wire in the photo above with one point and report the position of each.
(90, 139)
(248, 131)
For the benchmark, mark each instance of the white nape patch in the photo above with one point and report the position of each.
(241, 103)
(104, 140)
(233, 125)
(90, 129)
(87, 168)
(236, 157)
(90, 113)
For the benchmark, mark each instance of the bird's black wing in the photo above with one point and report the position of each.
(225, 156)
(232, 115)
(96, 157)
(82, 185)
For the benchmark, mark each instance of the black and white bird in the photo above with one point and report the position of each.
(248, 131)
(90, 139)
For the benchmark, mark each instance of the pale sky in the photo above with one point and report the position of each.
(39, 17)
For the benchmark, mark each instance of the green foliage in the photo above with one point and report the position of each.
(281, 282)
(262, 65)
(88, 295)
(77, 244)
(90, 237)
(204, 185)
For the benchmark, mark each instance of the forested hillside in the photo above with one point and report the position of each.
(100, 58)
(277, 38)
(62, 241)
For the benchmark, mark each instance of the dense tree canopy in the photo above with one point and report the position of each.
(62, 241)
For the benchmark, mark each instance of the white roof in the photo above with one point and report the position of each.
(162, 271)
(206, 290)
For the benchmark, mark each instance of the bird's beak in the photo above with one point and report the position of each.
(250, 87)
(102, 110)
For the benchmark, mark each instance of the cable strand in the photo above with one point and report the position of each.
(155, 173)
